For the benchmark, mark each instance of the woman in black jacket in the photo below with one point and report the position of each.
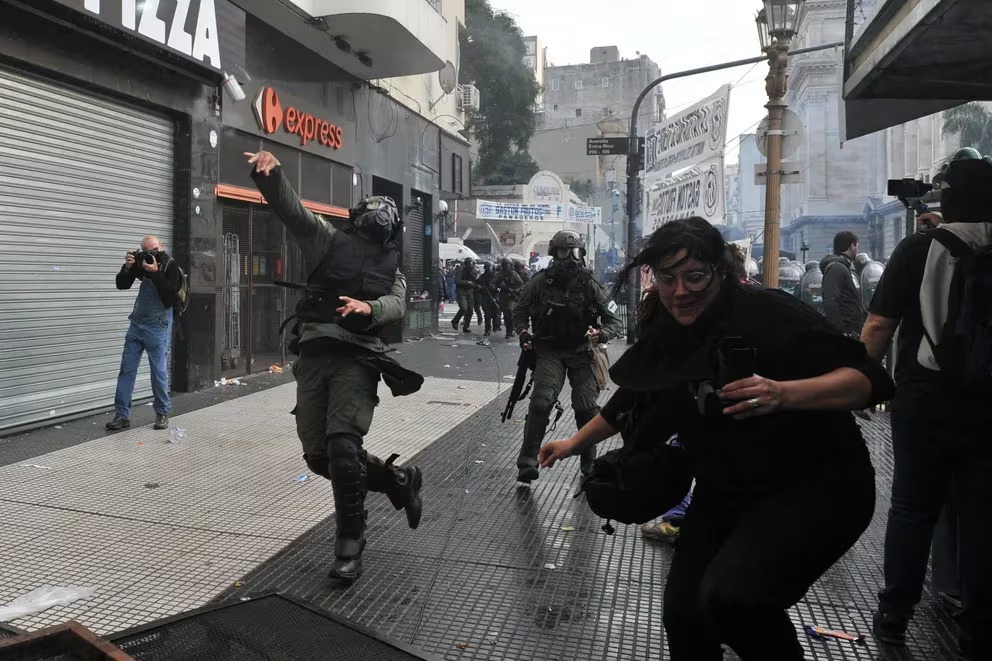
(772, 453)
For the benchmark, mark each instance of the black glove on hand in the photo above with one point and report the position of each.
(525, 339)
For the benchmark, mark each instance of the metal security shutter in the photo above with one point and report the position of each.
(84, 179)
(413, 267)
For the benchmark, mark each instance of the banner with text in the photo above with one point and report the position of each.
(486, 210)
(694, 135)
(695, 192)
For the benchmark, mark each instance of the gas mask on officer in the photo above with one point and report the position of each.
(376, 219)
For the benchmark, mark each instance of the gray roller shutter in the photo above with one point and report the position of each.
(413, 267)
(83, 179)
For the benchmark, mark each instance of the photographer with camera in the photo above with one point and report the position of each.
(937, 290)
(734, 370)
(150, 330)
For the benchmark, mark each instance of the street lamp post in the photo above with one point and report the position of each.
(776, 28)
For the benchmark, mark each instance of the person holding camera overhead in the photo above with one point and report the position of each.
(759, 389)
(150, 330)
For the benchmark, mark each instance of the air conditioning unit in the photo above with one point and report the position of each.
(469, 98)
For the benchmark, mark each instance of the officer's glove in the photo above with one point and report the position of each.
(525, 340)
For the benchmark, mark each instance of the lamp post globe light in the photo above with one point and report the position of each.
(776, 23)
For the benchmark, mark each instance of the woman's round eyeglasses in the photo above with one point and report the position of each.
(695, 281)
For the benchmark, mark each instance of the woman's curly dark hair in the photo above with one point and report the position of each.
(695, 235)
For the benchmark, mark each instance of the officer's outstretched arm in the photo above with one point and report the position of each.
(391, 307)
(313, 232)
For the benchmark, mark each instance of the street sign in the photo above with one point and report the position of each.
(610, 146)
(791, 174)
(792, 127)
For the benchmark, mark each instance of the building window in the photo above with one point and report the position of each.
(555, 84)
(606, 82)
(578, 112)
(578, 84)
(456, 174)
(556, 106)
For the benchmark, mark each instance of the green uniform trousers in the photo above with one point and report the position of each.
(553, 365)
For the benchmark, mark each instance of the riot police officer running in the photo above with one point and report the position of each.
(466, 285)
(487, 300)
(354, 290)
(570, 309)
(509, 283)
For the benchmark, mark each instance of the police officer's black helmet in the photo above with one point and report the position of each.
(377, 219)
(567, 244)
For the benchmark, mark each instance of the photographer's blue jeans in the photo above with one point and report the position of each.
(151, 337)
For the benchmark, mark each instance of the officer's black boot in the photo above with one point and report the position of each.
(349, 483)
(534, 429)
(401, 486)
(588, 456)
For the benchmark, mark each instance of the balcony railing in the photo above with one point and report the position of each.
(436, 4)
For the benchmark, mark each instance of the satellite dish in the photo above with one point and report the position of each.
(448, 77)
(792, 126)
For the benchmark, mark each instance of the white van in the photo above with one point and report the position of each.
(448, 251)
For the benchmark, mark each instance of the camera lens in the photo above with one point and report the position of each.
(149, 259)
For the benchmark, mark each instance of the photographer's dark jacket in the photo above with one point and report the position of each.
(319, 239)
(158, 292)
(659, 380)
(841, 298)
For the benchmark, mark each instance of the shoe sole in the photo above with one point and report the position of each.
(418, 482)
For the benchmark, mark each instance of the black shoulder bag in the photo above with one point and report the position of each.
(642, 480)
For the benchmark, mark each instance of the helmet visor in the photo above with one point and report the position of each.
(568, 253)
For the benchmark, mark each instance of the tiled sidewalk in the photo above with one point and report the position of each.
(158, 528)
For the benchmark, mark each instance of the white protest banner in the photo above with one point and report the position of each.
(578, 213)
(696, 134)
(695, 192)
(486, 210)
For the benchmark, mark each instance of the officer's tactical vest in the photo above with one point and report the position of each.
(352, 267)
(565, 311)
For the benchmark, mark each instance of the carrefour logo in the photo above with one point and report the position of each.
(271, 115)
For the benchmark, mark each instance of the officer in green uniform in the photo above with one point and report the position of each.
(487, 300)
(509, 284)
(465, 286)
(569, 309)
(521, 270)
(354, 290)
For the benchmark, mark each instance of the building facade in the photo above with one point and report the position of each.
(837, 180)
(150, 144)
(750, 195)
(535, 59)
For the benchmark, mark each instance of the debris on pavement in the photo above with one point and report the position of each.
(152, 485)
(177, 435)
(301, 478)
(568, 528)
(819, 633)
(275, 369)
(479, 461)
(447, 365)
(44, 468)
(238, 584)
(461, 646)
(41, 599)
(58, 426)
(550, 565)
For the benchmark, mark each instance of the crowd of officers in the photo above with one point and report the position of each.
(487, 290)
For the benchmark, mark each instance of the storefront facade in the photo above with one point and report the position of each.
(109, 134)
(114, 129)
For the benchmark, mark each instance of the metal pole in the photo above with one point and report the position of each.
(634, 166)
(775, 84)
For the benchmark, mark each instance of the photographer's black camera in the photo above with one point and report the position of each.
(143, 256)
(906, 189)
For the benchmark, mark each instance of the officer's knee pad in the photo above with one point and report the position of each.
(318, 466)
(542, 401)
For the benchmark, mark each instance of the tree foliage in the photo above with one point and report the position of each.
(972, 122)
(492, 58)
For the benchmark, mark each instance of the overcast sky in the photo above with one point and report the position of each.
(676, 34)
